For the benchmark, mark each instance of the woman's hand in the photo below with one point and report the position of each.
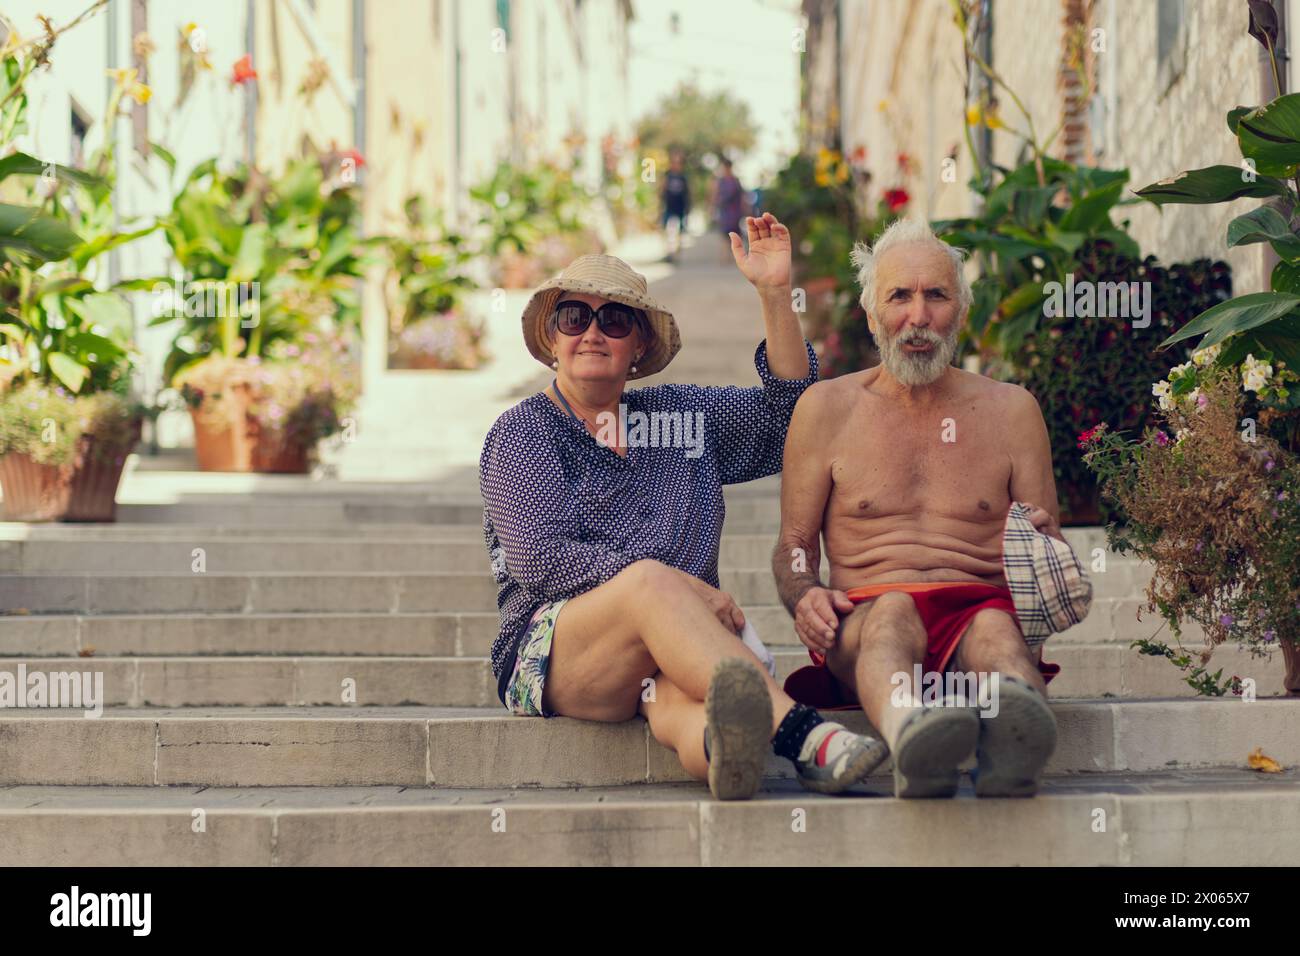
(767, 266)
(720, 603)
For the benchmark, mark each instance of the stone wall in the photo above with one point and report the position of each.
(903, 91)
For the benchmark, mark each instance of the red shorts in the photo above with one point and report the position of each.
(946, 609)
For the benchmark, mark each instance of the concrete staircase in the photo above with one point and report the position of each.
(302, 679)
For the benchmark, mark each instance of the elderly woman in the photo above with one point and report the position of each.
(605, 545)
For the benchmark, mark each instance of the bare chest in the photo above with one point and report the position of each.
(953, 464)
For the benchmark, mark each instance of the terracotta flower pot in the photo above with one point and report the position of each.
(223, 443)
(84, 488)
(273, 453)
(237, 442)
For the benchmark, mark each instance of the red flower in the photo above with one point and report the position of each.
(858, 156)
(243, 70)
(904, 162)
(357, 159)
(896, 199)
(1086, 437)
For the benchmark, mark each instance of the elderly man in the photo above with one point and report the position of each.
(908, 470)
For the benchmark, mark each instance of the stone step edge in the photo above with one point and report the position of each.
(1190, 828)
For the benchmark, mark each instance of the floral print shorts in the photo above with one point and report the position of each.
(532, 660)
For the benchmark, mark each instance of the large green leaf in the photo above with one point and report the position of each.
(68, 370)
(1235, 315)
(250, 260)
(20, 164)
(1270, 135)
(103, 309)
(1285, 278)
(1235, 115)
(1212, 184)
(1264, 224)
(1092, 211)
(26, 230)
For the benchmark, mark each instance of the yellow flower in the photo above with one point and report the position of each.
(973, 115)
(882, 106)
(12, 42)
(188, 29)
(992, 120)
(124, 76)
(821, 178)
(140, 93)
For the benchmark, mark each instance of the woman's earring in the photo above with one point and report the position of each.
(555, 363)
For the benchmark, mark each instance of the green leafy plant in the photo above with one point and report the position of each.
(429, 262)
(519, 205)
(1113, 385)
(1033, 221)
(1268, 138)
(297, 237)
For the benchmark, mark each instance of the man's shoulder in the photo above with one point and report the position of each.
(1013, 395)
(831, 396)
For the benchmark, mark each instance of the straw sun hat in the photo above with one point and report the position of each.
(613, 279)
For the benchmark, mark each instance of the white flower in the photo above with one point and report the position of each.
(1179, 370)
(1193, 396)
(1255, 374)
(1180, 434)
(1207, 356)
(1162, 391)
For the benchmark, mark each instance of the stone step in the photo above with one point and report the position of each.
(449, 747)
(1087, 671)
(177, 552)
(381, 633)
(1184, 818)
(336, 591)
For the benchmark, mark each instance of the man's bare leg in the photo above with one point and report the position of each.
(928, 744)
(1016, 743)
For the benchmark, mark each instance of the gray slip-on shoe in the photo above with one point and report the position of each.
(738, 715)
(931, 746)
(1014, 746)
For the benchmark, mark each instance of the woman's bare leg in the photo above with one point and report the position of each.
(610, 641)
(677, 721)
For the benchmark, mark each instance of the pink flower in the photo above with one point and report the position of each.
(1162, 439)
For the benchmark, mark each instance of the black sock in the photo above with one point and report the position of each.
(794, 730)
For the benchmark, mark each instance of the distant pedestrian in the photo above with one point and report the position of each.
(676, 199)
(728, 204)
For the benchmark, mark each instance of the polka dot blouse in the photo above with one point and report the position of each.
(562, 513)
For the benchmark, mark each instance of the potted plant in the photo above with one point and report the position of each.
(1214, 504)
(429, 327)
(270, 271)
(1212, 498)
(533, 222)
(66, 423)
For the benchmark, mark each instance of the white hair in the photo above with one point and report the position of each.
(901, 232)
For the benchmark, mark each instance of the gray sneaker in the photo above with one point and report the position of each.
(1014, 746)
(738, 729)
(849, 759)
(931, 746)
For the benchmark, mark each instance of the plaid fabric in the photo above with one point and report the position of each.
(1048, 584)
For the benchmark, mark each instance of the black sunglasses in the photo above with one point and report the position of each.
(613, 318)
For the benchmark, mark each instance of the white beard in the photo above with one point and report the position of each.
(917, 368)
